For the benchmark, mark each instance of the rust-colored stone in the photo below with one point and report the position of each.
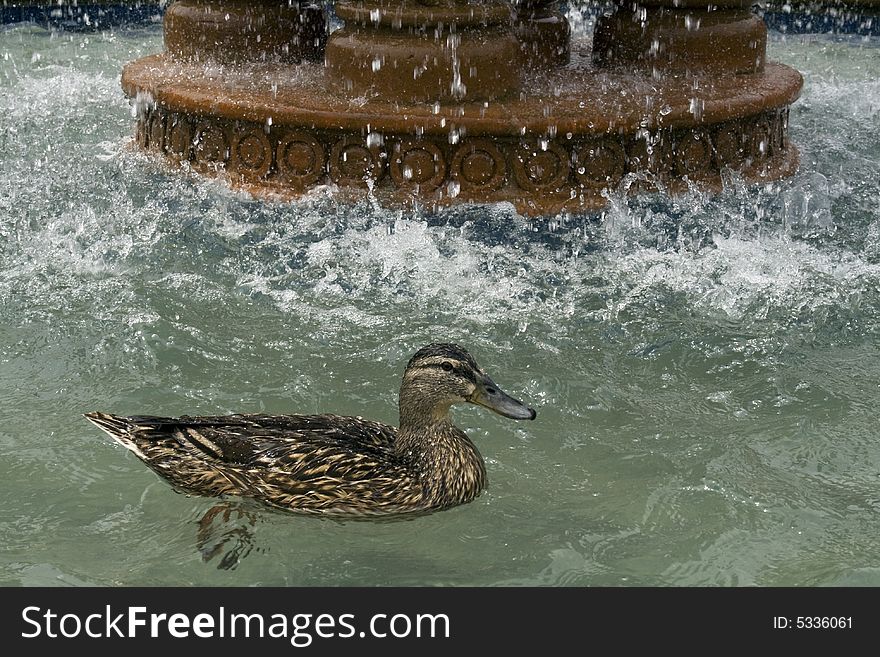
(544, 36)
(478, 167)
(355, 163)
(541, 166)
(420, 164)
(692, 153)
(233, 31)
(155, 132)
(211, 144)
(416, 53)
(599, 163)
(541, 135)
(720, 41)
(178, 142)
(415, 67)
(251, 152)
(301, 160)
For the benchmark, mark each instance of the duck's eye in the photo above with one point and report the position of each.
(447, 367)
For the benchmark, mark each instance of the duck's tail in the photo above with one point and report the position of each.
(120, 428)
(113, 424)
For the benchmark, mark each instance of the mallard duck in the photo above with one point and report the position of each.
(328, 464)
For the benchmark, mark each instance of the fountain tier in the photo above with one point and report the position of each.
(416, 101)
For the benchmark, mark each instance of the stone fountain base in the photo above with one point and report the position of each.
(278, 128)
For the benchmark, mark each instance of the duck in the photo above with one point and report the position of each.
(332, 465)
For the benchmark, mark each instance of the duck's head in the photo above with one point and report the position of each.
(440, 375)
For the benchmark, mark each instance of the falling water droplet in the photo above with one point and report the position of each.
(458, 87)
(696, 108)
(691, 23)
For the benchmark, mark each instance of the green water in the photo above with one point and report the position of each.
(706, 370)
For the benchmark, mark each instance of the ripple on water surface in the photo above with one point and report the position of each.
(705, 368)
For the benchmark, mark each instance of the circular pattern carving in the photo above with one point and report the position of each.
(251, 152)
(300, 159)
(479, 165)
(418, 163)
(758, 142)
(692, 154)
(211, 144)
(541, 167)
(178, 138)
(352, 162)
(599, 163)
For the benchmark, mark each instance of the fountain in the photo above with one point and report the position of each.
(448, 101)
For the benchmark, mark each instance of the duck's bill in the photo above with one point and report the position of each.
(495, 399)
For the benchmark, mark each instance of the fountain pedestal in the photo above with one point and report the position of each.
(446, 101)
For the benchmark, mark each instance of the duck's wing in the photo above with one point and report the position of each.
(253, 440)
(309, 463)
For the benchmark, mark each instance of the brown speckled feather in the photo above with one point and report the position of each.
(329, 464)
(295, 462)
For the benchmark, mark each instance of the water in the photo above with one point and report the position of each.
(705, 369)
